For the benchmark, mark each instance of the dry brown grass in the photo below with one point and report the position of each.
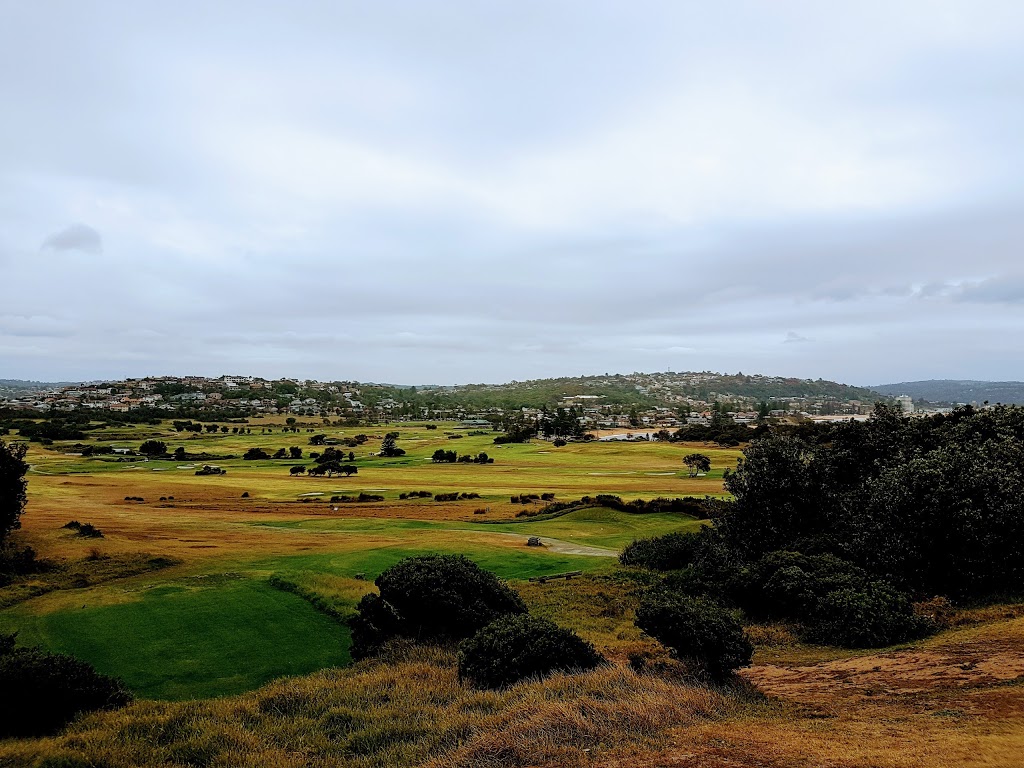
(411, 711)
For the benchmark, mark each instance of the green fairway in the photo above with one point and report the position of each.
(595, 527)
(187, 642)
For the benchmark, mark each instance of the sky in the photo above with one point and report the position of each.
(479, 191)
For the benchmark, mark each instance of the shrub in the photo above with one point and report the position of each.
(696, 630)
(662, 553)
(432, 598)
(517, 647)
(788, 585)
(871, 616)
(42, 692)
(559, 443)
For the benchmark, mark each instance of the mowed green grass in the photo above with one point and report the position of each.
(187, 642)
(594, 527)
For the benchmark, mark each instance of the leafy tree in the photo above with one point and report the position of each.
(697, 462)
(298, 469)
(280, 453)
(255, 453)
(389, 447)
(430, 598)
(153, 448)
(295, 452)
(697, 630)
(517, 647)
(12, 487)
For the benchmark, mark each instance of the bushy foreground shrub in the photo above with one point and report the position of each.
(696, 630)
(432, 598)
(517, 647)
(42, 692)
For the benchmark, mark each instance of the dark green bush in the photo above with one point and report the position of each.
(871, 616)
(517, 647)
(43, 692)
(662, 553)
(789, 585)
(432, 598)
(696, 630)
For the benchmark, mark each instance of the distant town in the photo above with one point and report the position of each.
(637, 400)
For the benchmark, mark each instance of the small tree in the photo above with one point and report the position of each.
(295, 452)
(255, 453)
(697, 630)
(389, 447)
(298, 469)
(12, 487)
(697, 462)
(521, 646)
(153, 448)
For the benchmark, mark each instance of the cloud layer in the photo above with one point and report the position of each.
(460, 191)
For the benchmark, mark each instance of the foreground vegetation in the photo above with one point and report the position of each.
(826, 540)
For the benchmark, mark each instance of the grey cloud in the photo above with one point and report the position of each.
(487, 193)
(77, 237)
(792, 337)
(1007, 289)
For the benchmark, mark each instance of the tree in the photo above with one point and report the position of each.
(255, 453)
(389, 447)
(12, 487)
(298, 469)
(295, 452)
(153, 448)
(697, 462)
(520, 646)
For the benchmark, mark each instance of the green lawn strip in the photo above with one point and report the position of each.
(598, 526)
(506, 562)
(188, 642)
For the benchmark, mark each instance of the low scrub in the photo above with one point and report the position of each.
(516, 648)
(432, 598)
(697, 630)
(43, 692)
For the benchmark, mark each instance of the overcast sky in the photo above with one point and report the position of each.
(474, 191)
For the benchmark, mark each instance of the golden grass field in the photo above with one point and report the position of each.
(175, 599)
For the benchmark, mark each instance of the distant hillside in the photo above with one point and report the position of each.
(953, 391)
(19, 388)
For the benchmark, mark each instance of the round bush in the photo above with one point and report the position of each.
(432, 598)
(789, 585)
(517, 647)
(43, 692)
(696, 630)
(661, 553)
(871, 616)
